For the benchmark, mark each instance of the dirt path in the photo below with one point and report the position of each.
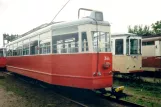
(9, 99)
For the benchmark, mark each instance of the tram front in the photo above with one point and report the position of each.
(126, 50)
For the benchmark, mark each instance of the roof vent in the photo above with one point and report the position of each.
(97, 15)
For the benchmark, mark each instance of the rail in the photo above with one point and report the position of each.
(102, 96)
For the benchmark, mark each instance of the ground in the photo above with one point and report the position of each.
(141, 92)
(9, 99)
(16, 93)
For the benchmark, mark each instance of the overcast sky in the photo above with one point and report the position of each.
(19, 16)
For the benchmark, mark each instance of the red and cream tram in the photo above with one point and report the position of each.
(151, 53)
(3, 60)
(65, 53)
(126, 49)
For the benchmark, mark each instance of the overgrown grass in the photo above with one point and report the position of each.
(144, 93)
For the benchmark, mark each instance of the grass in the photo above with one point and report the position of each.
(33, 95)
(144, 93)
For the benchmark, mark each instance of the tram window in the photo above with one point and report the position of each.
(84, 42)
(26, 47)
(34, 45)
(15, 49)
(134, 46)
(11, 50)
(144, 43)
(7, 48)
(103, 40)
(67, 43)
(148, 43)
(45, 42)
(1, 52)
(19, 49)
(118, 46)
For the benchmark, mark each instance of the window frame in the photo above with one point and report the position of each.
(61, 37)
(122, 47)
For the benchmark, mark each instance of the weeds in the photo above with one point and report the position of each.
(144, 93)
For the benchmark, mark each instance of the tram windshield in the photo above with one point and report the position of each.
(103, 41)
(134, 45)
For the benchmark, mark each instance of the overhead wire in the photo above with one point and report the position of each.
(60, 11)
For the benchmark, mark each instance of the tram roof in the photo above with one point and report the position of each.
(151, 38)
(63, 24)
(57, 25)
(123, 34)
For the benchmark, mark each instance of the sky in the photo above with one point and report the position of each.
(20, 16)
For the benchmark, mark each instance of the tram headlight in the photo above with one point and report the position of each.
(106, 65)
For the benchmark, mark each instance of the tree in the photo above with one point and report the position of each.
(9, 38)
(140, 30)
(156, 27)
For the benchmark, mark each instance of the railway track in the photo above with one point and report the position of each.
(79, 102)
(45, 87)
(122, 102)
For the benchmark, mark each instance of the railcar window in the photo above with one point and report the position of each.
(103, 40)
(11, 50)
(8, 51)
(148, 43)
(20, 49)
(119, 47)
(84, 42)
(67, 43)
(34, 45)
(26, 47)
(134, 46)
(1, 53)
(15, 49)
(45, 42)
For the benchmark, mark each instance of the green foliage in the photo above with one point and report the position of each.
(156, 27)
(145, 30)
(140, 30)
(9, 38)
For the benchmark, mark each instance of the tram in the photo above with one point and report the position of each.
(151, 53)
(65, 53)
(126, 50)
(3, 60)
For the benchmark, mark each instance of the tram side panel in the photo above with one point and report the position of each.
(38, 66)
(78, 70)
(127, 64)
(3, 62)
(75, 70)
(151, 61)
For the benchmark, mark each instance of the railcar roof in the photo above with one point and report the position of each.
(151, 38)
(122, 34)
(57, 25)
